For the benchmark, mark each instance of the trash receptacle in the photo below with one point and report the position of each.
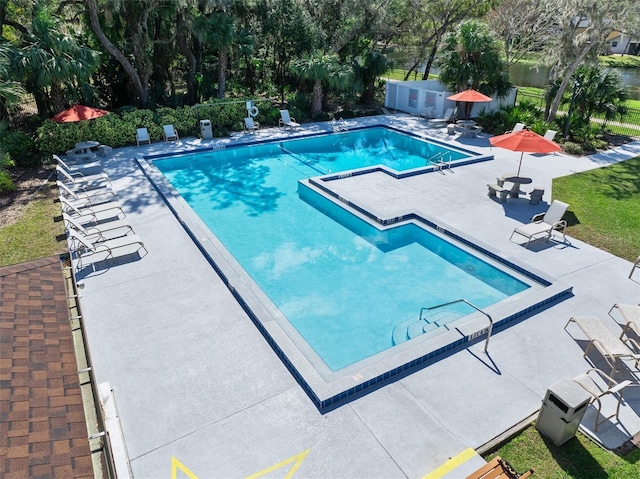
(206, 133)
(562, 410)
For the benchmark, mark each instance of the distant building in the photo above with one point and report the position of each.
(623, 44)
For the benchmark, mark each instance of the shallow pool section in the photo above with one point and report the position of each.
(346, 300)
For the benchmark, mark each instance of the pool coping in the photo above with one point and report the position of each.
(368, 375)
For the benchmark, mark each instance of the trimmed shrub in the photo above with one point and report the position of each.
(6, 183)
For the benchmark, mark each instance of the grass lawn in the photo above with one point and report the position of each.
(578, 458)
(604, 207)
(37, 234)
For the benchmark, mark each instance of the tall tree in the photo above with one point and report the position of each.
(320, 68)
(470, 58)
(55, 65)
(138, 17)
(525, 26)
(585, 26)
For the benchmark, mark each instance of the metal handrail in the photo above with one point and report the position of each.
(462, 300)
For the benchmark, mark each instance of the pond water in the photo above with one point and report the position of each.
(526, 75)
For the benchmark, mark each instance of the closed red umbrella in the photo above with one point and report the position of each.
(524, 141)
(79, 113)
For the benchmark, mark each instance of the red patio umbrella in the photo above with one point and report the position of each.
(469, 96)
(78, 113)
(524, 140)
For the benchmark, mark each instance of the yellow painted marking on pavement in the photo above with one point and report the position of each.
(298, 458)
(451, 464)
(175, 465)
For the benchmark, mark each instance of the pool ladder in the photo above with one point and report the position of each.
(425, 323)
(438, 161)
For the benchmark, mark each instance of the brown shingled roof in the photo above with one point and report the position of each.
(43, 431)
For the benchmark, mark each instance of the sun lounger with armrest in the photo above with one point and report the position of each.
(592, 383)
(545, 223)
(93, 214)
(631, 316)
(83, 184)
(101, 251)
(100, 232)
(606, 342)
(91, 197)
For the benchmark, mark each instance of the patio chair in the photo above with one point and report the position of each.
(631, 316)
(251, 125)
(91, 197)
(635, 265)
(102, 250)
(170, 133)
(286, 121)
(83, 184)
(593, 385)
(517, 127)
(606, 342)
(498, 468)
(443, 120)
(550, 134)
(85, 215)
(142, 136)
(101, 232)
(80, 169)
(545, 223)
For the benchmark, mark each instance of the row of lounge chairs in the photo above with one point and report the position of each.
(93, 217)
(250, 125)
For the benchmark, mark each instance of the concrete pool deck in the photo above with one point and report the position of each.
(200, 392)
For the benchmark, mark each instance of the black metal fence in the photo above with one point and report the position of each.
(628, 125)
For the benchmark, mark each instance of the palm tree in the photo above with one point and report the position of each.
(11, 91)
(318, 68)
(600, 91)
(54, 65)
(374, 65)
(470, 58)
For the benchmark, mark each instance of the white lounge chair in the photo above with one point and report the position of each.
(550, 134)
(170, 133)
(545, 223)
(443, 120)
(251, 125)
(91, 197)
(606, 342)
(593, 384)
(85, 215)
(635, 265)
(101, 232)
(142, 136)
(80, 183)
(80, 169)
(631, 316)
(517, 127)
(286, 121)
(102, 250)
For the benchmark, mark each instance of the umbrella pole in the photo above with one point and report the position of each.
(520, 165)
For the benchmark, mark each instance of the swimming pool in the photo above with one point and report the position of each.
(345, 290)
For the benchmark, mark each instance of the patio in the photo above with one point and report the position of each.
(199, 389)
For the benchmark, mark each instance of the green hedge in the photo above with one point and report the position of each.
(119, 128)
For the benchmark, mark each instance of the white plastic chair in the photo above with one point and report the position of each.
(251, 125)
(170, 133)
(142, 136)
(550, 134)
(286, 121)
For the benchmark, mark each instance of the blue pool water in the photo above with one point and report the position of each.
(344, 285)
